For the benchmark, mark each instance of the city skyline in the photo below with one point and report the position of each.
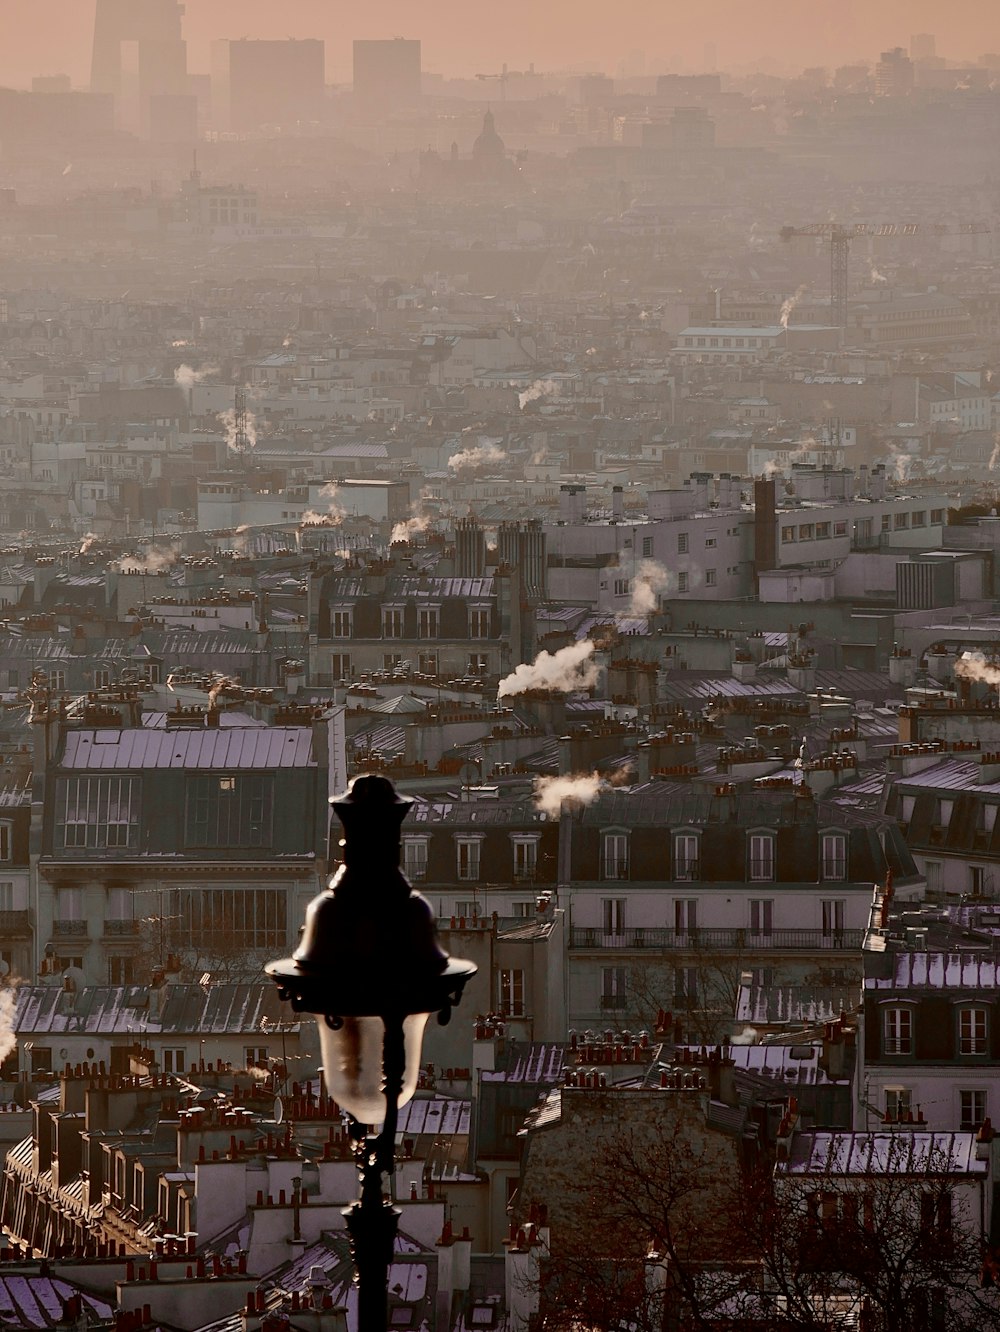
(54, 36)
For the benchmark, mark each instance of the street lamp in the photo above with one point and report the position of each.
(370, 967)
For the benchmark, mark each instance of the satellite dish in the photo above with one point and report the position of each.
(279, 1110)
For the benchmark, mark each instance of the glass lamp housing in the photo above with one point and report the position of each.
(353, 1063)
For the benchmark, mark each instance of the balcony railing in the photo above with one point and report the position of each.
(615, 869)
(714, 940)
(121, 928)
(69, 929)
(15, 924)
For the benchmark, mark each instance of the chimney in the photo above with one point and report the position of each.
(572, 504)
(617, 504)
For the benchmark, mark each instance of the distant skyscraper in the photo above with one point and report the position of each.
(923, 46)
(894, 73)
(258, 83)
(386, 75)
(139, 53)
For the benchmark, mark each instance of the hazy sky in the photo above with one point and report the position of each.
(54, 36)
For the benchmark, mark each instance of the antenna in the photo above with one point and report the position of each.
(241, 439)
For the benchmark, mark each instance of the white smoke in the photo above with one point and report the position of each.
(539, 389)
(900, 462)
(418, 521)
(995, 455)
(8, 1013)
(185, 376)
(648, 582)
(486, 454)
(550, 792)
(789, 304)
(974, 666)
(88, 540)
(335, 512)
(565, 671)
(227, 420)
(875, 277)
(151, 561)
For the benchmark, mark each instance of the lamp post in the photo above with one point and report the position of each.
(370, 967)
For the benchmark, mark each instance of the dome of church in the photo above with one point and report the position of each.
(489, 144)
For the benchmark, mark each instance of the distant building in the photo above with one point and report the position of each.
(263, 83)
(386, 75)
(894, 74)
(138, 52)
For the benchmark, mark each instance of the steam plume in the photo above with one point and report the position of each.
(88, 540)
(486, 454)
(649, 580)
(219, 683)
(876, 277)
(185, 376)
(228, 421)
(335, 512)
(564, 671)
(974, 666)
(8, 1037)
(539, 389)
(418, 521)
(550, 792)
(789, 304)
(150, 561)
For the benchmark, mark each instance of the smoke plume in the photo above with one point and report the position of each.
(227, 420)
(875, 277)
(539, 389)
(550, 792)
(565, 671)
(418, 521)
(88, 540)
(185, 376)
(335, 512)
(8, 1010)
(649, 580)
(151, 561)
(995, 455)
(486, 454)
(789, 304)
(974, 666)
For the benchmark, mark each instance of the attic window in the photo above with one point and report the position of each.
(401, 1316)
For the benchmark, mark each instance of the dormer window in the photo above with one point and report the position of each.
(833, 856)
(762, 857)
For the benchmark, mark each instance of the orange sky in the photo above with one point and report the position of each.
(470, 36)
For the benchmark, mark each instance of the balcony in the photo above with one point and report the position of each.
(16, 925)
(120, 929)
(615, 869)
(715, 940)
(69, 929)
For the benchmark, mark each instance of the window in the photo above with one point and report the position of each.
(224, 919)
(615, 856)
(762, 856)
(525, 858)
(415, 857)
(467, 910)
(788, 534)
(919, 518)
(254, 1054)
(822, 531)
(710, 542)
(902, 520)
(340, 624)
(226, 810)
(97, 812)
(102, 677)
(686, 858)
(833, 918)
(898, 1031)
(392, 622)
(522, 910)
(613, 915)
(6, 841)
(511, 992)
(932, 869)
(682, 582)
(647, 547)
(682, 543)
(479, 623)
(972, 1031)
(972, 1109)
(937, 515)
(685, 916)
(621, 587)
(686, 986)
(833, 856)
(427, 622)
(478, 663)
(762, 917)
(886, 522)
(121, 970)
(340, 665)
(806, 532)
(613, 985)
(173, 1060)
(840, 528)
(898, 1102)
(57, 680)
(710, 578)
(427, 663)
(6, 897)
(467, 853)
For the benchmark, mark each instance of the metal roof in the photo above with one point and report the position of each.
(224, 1009)
(909, 1153)
(28, 1301)
(247, 747)
(939, 971)
(436, 1115)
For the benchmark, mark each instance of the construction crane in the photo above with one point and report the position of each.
(501, 78)
(840, 243)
